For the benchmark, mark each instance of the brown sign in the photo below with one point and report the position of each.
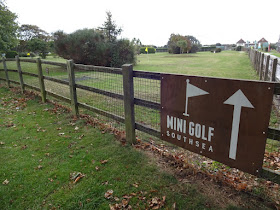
(225, 120)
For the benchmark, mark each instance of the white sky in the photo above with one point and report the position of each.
(152, 21)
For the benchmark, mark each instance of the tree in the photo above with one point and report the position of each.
(8, 28)
(28, 32)
(137, 45)
(110, 29)
(173, 44)
(183, 45)
(38, 46)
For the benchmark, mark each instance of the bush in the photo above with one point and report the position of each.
(11, 54)
(88, 46)
(23, 54)
(150, 50)
(217, 50)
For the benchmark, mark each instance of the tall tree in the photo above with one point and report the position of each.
(110, 29)
(183, 45)
(173, 44)
(28, 32)
(8, 28)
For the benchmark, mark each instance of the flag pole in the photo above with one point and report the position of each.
(187, 98)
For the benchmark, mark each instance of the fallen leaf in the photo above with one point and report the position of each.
(103, 161)
(76, 128)
(5, 182)
(108, 194)
(97, 168)
(24, 147)
(135, 185)
(39, 167)
(2, 143)
(125, 203)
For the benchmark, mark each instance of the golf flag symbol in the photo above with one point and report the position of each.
(191, 92)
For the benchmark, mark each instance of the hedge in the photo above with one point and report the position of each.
(150, 50)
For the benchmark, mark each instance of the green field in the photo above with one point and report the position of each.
(227, 64)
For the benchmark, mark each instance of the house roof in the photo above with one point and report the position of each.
(241, 41)
(262, 40)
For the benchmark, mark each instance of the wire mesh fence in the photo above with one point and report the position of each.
(102, 88)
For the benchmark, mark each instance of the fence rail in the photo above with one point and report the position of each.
(129, 97)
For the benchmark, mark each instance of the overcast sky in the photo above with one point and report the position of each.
(152, 21)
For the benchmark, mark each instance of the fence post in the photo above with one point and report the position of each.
(41, 80)
(128, 91)
(259, 62)
(274, 68)
(261, 68)
(20, 74)
(6, 72)
(72, 86)
(266, 67)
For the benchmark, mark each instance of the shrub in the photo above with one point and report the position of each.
(217, 50)
(11, 54)
(88, 46)
(150, 50)
(23, 54)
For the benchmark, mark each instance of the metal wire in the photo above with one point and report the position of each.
(103, 81)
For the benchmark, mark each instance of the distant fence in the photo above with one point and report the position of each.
(129, 97)
(266, 65)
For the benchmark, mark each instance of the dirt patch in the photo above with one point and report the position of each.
(219, 196)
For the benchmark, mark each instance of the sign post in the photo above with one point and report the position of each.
(223, 119)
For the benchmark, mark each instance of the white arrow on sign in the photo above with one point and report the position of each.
(238, 100)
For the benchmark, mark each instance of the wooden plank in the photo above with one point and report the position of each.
(28, 60)
(56, 80)
(30, 74)
(261, 68)
(99, 91)
(20, 74)
(266, 68)
(146, 75)
(55, 63)
(41, 81)
(60, 97)
(274, 68)
(72, 86)
(148, 104)
(147, 130)
(32, 87)
(273, 133)
(6, 72)
(271, 175)
(82, 67)
(128, 90)
(101, 112)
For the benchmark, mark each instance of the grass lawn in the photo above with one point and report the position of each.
(227, 64)
(42, 146)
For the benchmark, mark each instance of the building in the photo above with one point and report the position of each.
(262, 44)
(278, 45)
(241, 42)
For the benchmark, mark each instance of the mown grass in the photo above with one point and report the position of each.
(41, 145)
(227, 64)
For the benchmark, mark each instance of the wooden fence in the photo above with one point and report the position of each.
(266, 65)
(127, 94)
